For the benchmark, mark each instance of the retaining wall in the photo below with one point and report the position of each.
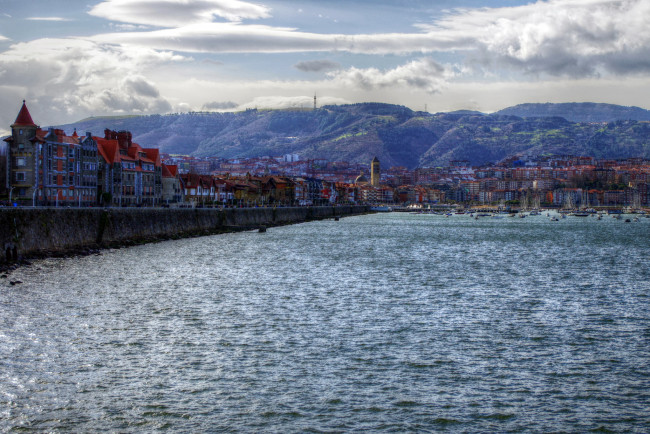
(29, 232)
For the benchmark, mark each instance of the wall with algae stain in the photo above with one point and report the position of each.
(34, 232)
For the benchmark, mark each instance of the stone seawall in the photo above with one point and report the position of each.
(29, 232)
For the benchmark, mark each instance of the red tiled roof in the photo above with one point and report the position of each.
(24, 119)
(60, 136)
(108, 149)
(154, 155)
(172, 169)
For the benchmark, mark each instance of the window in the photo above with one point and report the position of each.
(20, 132)
(20, 176)
(21, 161)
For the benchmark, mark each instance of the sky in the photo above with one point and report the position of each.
(71, 59)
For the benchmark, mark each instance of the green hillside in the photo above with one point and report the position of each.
(397, 135)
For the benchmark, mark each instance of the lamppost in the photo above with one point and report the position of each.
(11, 190)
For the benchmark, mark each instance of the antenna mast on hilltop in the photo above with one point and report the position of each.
(314, 100)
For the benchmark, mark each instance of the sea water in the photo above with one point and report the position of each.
(386, 322)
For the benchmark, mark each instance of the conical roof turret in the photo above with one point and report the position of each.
(24, 119)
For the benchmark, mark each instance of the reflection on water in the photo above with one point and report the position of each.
(378, 323)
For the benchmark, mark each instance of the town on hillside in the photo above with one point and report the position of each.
(49, 167)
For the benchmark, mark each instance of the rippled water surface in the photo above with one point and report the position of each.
(391, 322)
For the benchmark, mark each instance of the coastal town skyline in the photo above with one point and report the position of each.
(76, 59)
(51, 167)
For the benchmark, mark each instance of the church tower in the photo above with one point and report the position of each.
(374, 172)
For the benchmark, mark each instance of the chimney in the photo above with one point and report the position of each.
(124, 139)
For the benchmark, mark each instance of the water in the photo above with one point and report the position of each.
(389, 322)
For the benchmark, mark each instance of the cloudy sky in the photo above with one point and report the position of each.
(76, 58)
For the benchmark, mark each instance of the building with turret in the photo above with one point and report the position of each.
(48, 167)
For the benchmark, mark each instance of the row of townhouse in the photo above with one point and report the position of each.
(260, 190)
(50, 168)
(561, 197)
(201, 190)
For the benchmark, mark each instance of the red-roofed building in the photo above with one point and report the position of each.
(172, 190)
(199, 189)
(47, 167)
(129, 175)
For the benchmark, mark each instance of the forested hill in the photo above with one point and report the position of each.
(397, 135)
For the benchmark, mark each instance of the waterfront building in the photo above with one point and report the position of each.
(129, 175)
(281, 189)
(47, 167)
(198, 189)
(172, 191)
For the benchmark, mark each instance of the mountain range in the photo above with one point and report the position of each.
(395, 134)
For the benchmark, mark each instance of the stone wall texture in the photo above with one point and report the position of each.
(45, 231)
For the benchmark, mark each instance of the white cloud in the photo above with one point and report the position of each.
(133, 94)
(48, 19)
(176, 13)
(317, 65)
(557, 37)
(286, 102)
(219, 105)
(423, 74)
(127, 27)
(74, 77)
(239, 38)
(3, 38)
